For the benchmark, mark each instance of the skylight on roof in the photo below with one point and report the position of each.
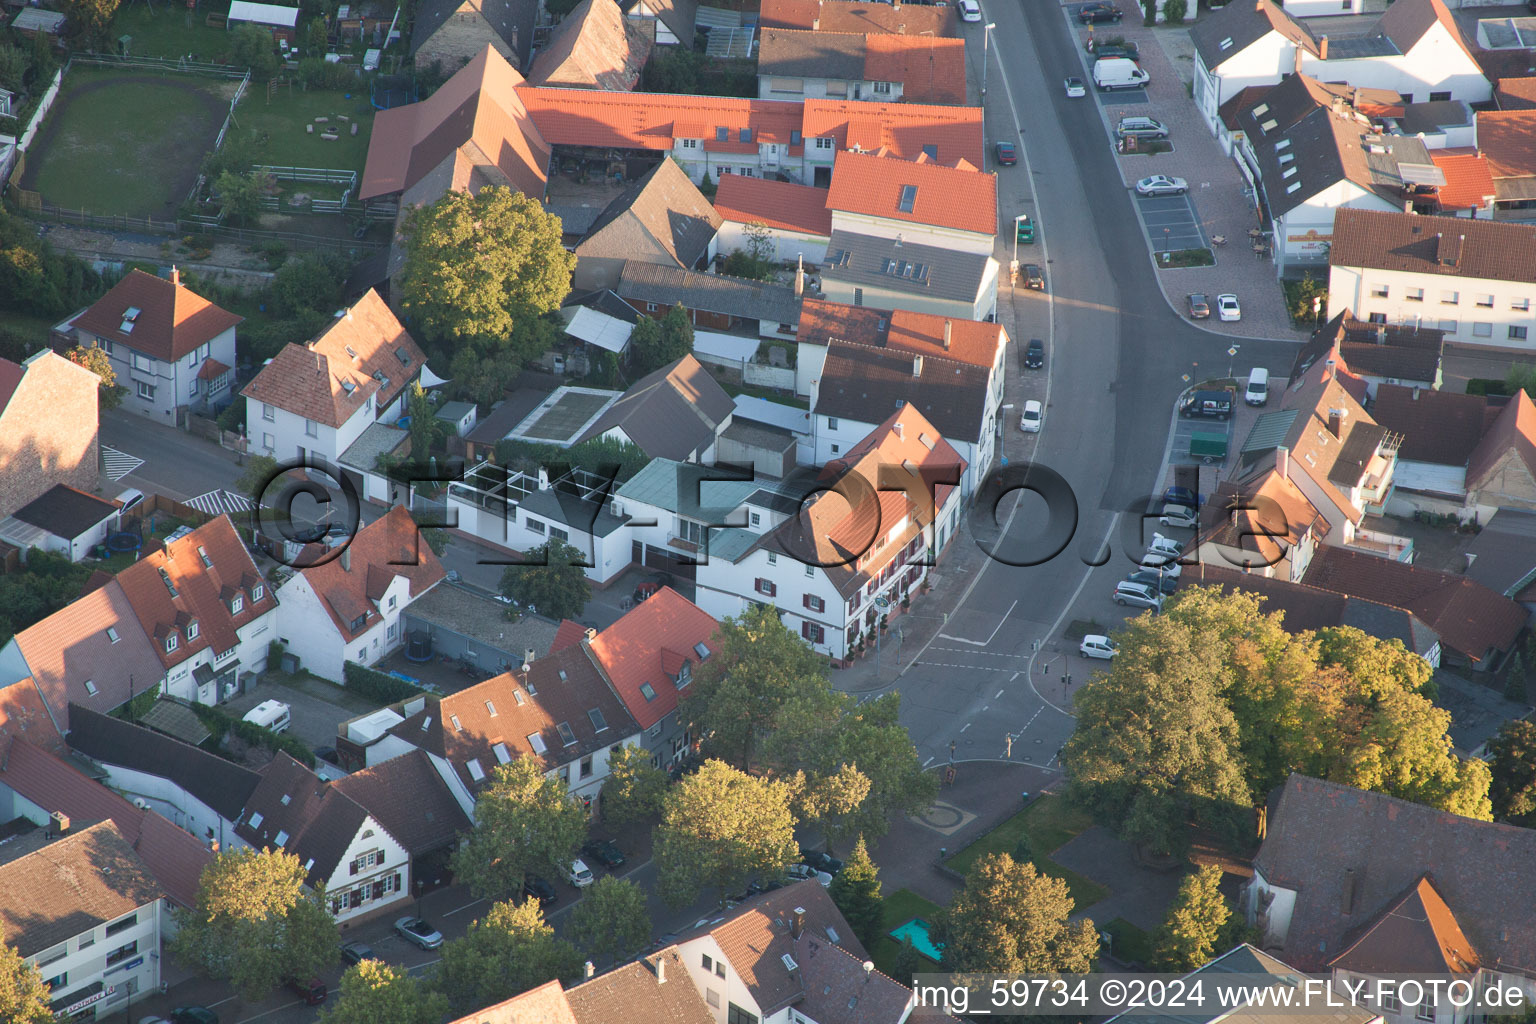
(1286, 158)
(1226, 44)
(351, 351)
(131, 313)
(402, 355)
(490, 708)
(348, 386)
(1282, 144)
(536, 741)
(202, 553)
(503, 755)
(112, 634)
(475, 771)
(647, 692)
(455, 720)
(1290, 172)
(517, 695)
(255, 819)
(1261, 110)
(567, 736)
(165, 578)
(90, 688)
(1292, 187)
(280, 838)
(598, 721)
(908, 198)
(287, 799)
(1269, 126)
(701, 651)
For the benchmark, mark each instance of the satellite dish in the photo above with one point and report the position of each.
(526, 666)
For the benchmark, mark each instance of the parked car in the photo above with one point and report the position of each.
(1199, 306)
(313, 991)
(1162, 545)
(357, 952)
(1227, 307)
(1007, 154)
(1139, 127)
(193, 1015)
(1034, 412)
(1113, 51)
(579, 875)
(1183, 496)
(539, 889)
(1094, 13)
(419, 933)
(800, 872)
(1181, 516)
(1034, 355)
(1163, 582)
(970, 10)
(1137, 595)
(604, 852)
(1095, 645)
(1075, 88)
(1034, 277)
(1257, 391)
(820, 861)
(1155, 563)
(1161, 185)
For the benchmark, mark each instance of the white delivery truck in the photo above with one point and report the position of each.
(1119, 73)
(270, 714)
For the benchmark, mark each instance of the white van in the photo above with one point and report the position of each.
(129, 500)
(1119, 73)
(1258, 386)
(270, 714)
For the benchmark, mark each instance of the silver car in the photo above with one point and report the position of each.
(1161, 185)
(1137, 595)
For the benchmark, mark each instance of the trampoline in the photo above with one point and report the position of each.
(420, 647)
(392, 91)
(124, 542)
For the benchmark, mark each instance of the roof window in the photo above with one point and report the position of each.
(351, 351)
(90, 688)
(490, 709)
(701, 651)
(517, 695)
(112, 636)
(536, 741)
(1269, 126)
(1226, 44)
(287, 799)
(1261, 110)
(280, 838)
(722, 134)
(908, 198)
(647, 692)
(1282, 144)
(503, 755)
(255, 819)
(567, 736)
(598, 721)
(1292, 187)
(348, 386)
(165, 578)
(402, 355)
(202, 553)
(475, 771)
(455, 720)
(746, 135)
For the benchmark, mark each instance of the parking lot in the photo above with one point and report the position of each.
(318, 707)
(1186, 429)
(1171, 222)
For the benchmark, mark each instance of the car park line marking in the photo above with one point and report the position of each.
(966, 726)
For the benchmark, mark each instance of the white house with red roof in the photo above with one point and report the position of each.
(347, 607)
(920, 201)
(171, 348)
(795, 216)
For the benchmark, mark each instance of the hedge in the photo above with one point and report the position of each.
(376, 685)
(221, 724)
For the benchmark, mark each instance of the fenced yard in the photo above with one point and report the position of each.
(277, 127)
(172, 31)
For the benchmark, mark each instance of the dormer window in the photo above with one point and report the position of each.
(192, 630)
(172, 641)
(258, 592)
(357, 623)
(237, 604)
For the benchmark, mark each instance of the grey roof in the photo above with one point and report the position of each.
(562, 506)
(65, 512)
(759, 435)
(606, 301)
(935, 272)
(1388, 623)
(222, 785)
(1244, 24)
(678, 15)
(801, 54)
(528, 392)
(376, 439)
(454, 411)
(1405, 352)
(1436, 114)
(1503, 554)
(663, 217)
(730, 544)
(698, 492)
(295, 810)
(1268, 432)
(513, 20)
(867, 384)
(714, 293)
(1244, 960)
(672, 413)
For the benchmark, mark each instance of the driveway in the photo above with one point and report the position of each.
(318, 707)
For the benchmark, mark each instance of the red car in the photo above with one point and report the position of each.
(1007, 155)
(313, 991)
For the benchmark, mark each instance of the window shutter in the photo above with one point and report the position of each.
(807, 601)
(354, 867)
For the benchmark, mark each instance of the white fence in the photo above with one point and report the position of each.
(760, 375)
(42, 110)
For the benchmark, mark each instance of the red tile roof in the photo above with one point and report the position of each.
(1515, 429)
(930, 69)
(568, 634)
(172, 320)
(778, 204)
(959, 197)
(903, 129)
(1417, 932)
(320, 820)
(974, 342)
(648, 646)
(351, 584)
(174, 857)
(23, 713)
(1508, 139)
(410, 800)
(593, 47)
(868, 18)
(578, 117)
(207, 569)
(1468, 180)
(1516, 93)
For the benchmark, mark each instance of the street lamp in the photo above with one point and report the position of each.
(1317, 307)
(986, 39)
(1016, 221)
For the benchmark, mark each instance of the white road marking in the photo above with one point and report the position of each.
(1000, 692)
(988, 641)
(966, 726)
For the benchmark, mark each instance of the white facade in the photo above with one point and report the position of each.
(375, 871)
(982, 307)
(157, 388)
(509, 525)
(1261, 63)
(122, 957)
(788, 245)
(174, 804)
(284, 435)
(1471, 310)
(696, 158)
(729, 990)
(912, 233)
(305, 627)
(1324, 8)
(788, 87)
(247, 656)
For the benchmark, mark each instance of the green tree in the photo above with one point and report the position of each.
(97, 361)
(635, 789)
(524, 822)
(426, 430)
(256, 476)
(479, 379)
(1174, 11)
(252, 46)
(240, 195)
(88, 21)
(1514, 679)
(255, 925)
(480, 265)
(1513, 789)
(909, 963)
(652, 347)
(13, 67)
(1195, 922)
(374, 992)
(437, 539)
(315, 41)
(753, 261)
(505, 953)
(856, 891)
(611, 921)
(311, 283)
(1301, 298)
(49, 582)
(23, 996)
(1009, 919)
(35, 279)
(721, 827)
(551, 581)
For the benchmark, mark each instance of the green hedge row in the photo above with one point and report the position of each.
(375, 685)
(222, 724)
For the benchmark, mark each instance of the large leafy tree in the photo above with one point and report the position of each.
(611, 921)
(23, 996)
(508, 951)
(1195, 923)
(1514, 773)
(721, 827)
(255, 925)
(97, 361)
(523, 822)
(856, 891)
(635, 789)
(479, 266)
(374, 992)
(657, 343)
(552, 580)
(1009, 919)
(89, 20)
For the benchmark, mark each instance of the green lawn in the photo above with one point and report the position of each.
(278, 126)
(736, 388)
(171, 31)
(1050, 823)
(1131, 944)
(898, 908)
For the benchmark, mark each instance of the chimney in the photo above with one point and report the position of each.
(1336, 423)
(1298, 55)
(816, 22)
(1322, 48)
(589, 636)
(528, 655)
(346, 559)
(588, 969)
(1415, 392)
(58, 825)
(897, 429)
(949, 326)
(1347, 896)
(661, 970)
(1283, 462)
(175, 275)
(917, 366)
(543, 479)
(1328, 370)
(799, 274)
(1258, 5)
(797, 923)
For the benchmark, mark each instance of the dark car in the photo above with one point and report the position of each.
(1215, 405)
(193, 1015)
(1034, 277)
(1034, 355)
(820, 861)
(1199, 306)
(1130, 51)
(313, 991)
(357, 952)
(1007, 154)
(604, 852)
(539, 889)
(1168, 584)
(1183, 496)
(1090, 14)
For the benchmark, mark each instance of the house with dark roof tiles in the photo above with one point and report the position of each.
(675, 412)
(48, 428)
(662, 218)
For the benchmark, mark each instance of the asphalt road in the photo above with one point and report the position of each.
(1117, 355)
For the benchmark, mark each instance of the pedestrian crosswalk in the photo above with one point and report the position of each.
(217, 503)
(116, 464)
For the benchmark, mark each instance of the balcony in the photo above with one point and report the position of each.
(1382, 544)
